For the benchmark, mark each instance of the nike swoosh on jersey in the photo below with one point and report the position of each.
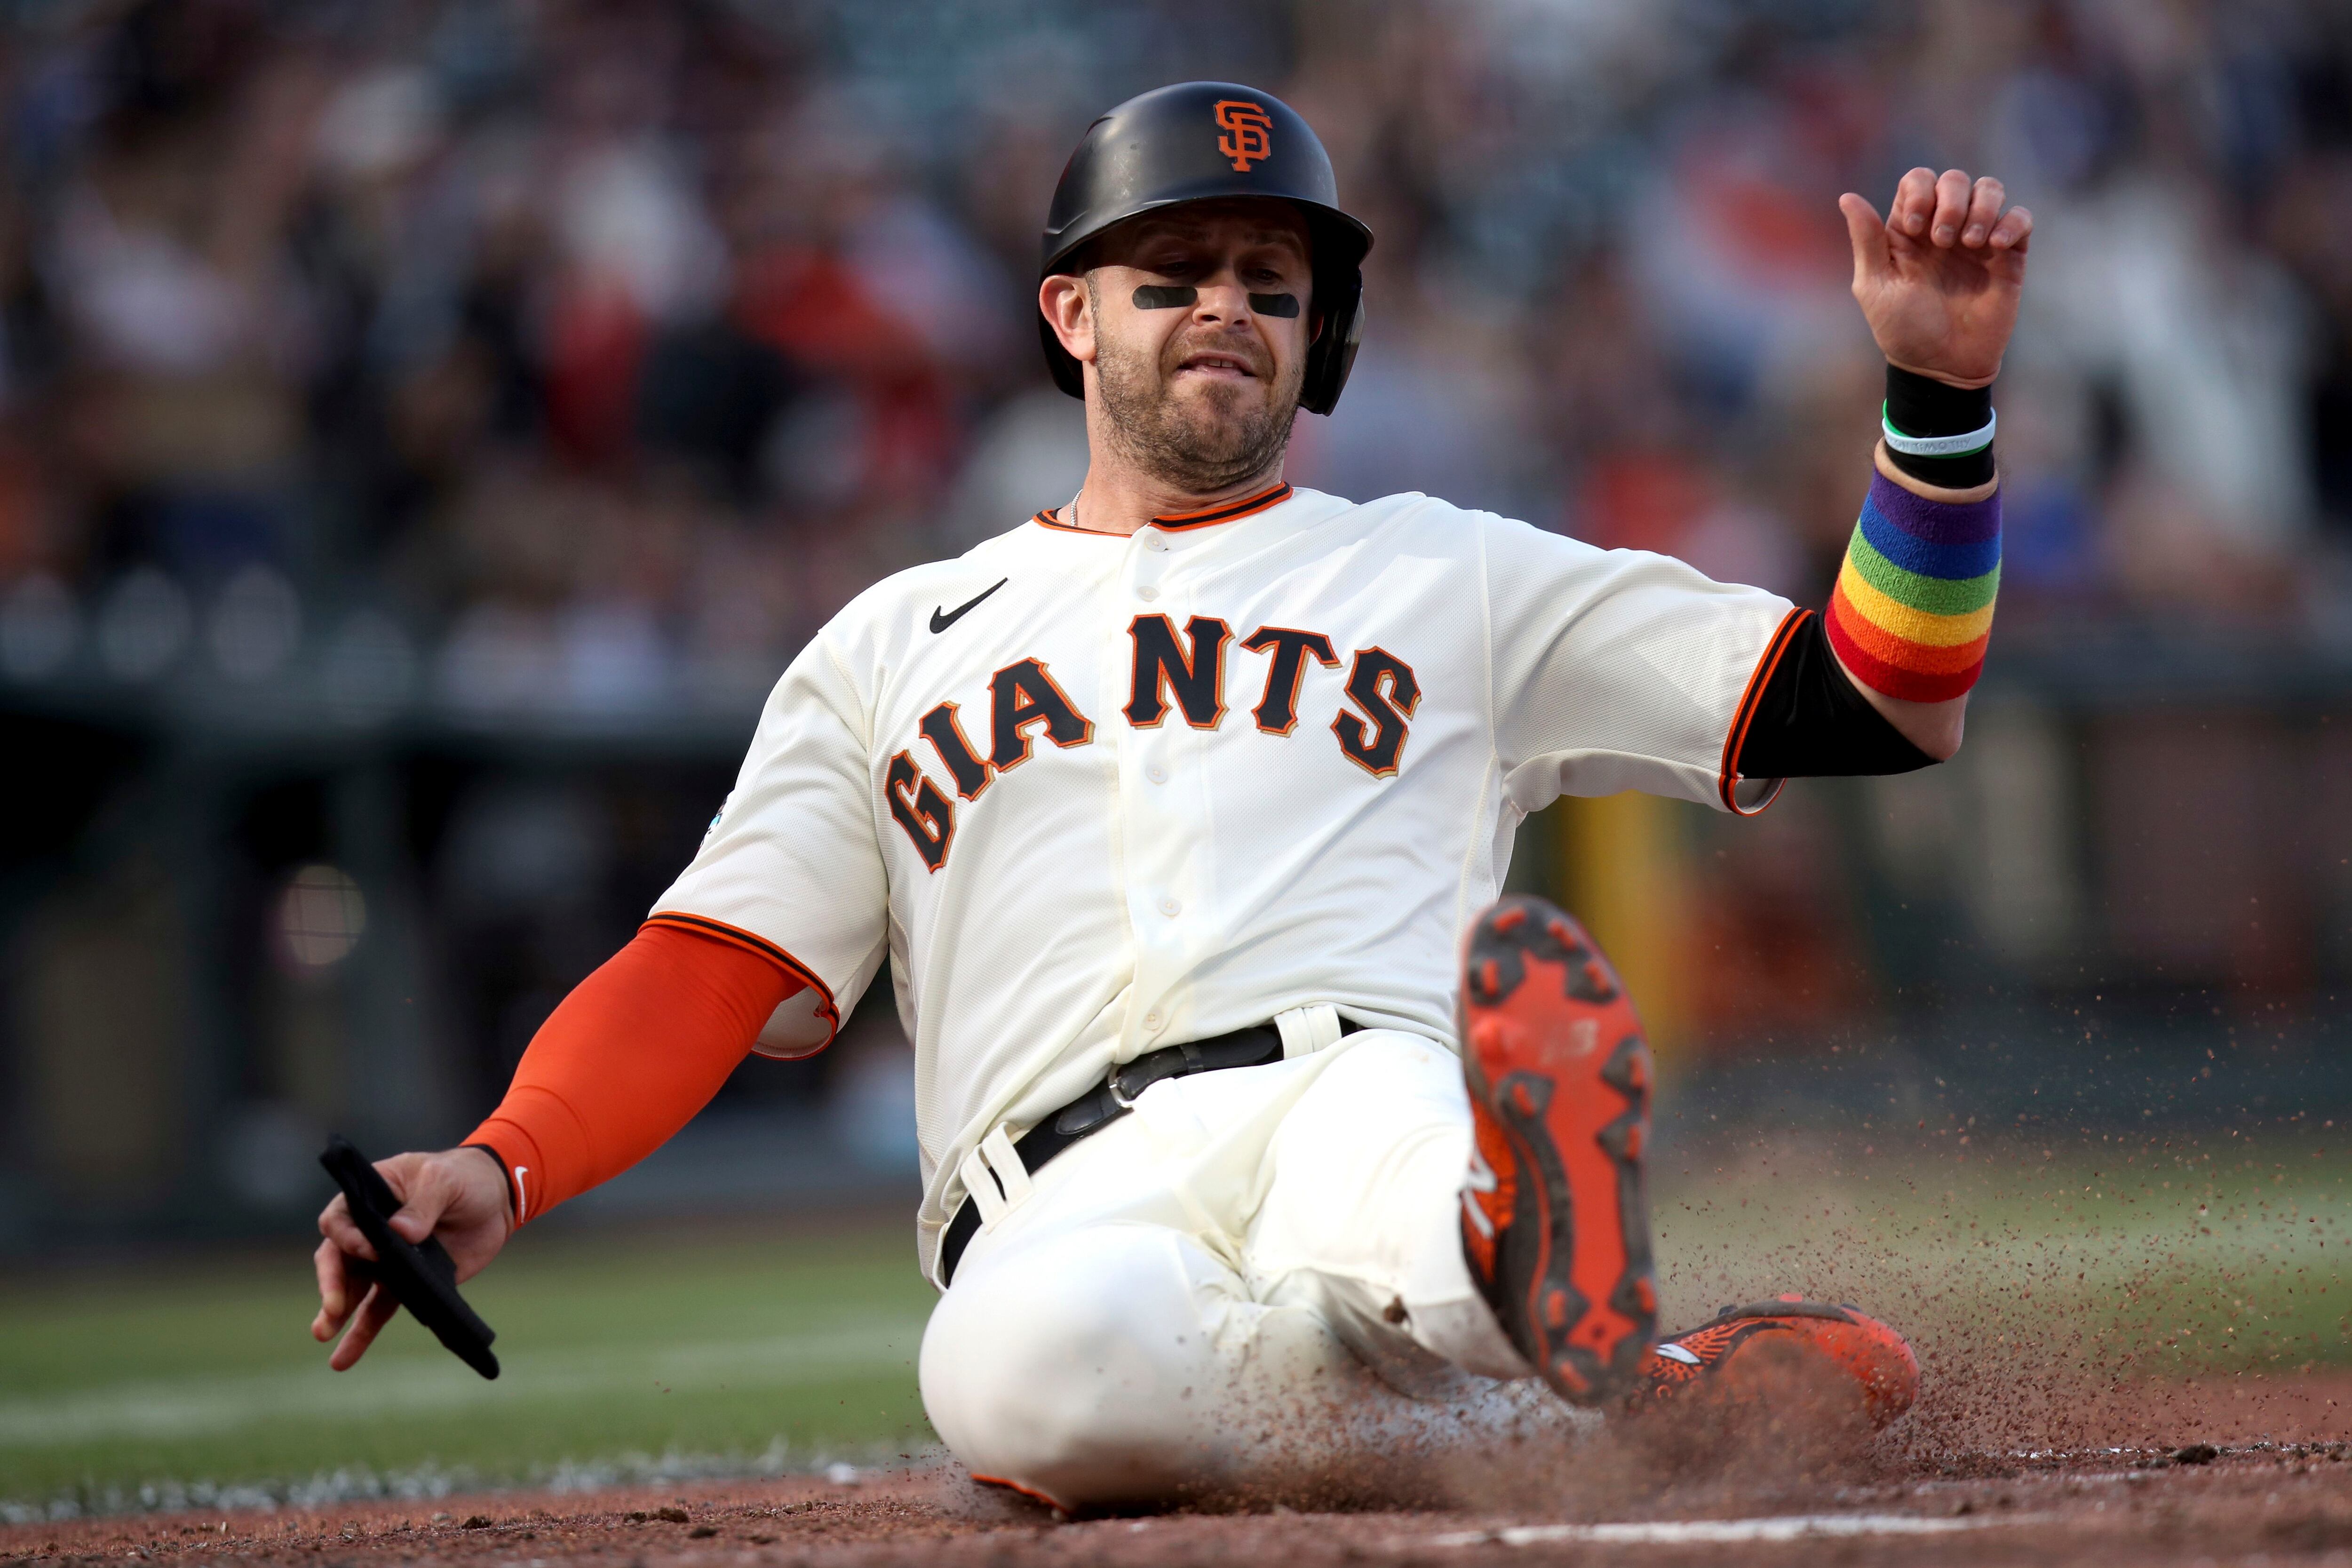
(941, 621)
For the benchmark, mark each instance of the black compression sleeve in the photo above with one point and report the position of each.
(1811, 722)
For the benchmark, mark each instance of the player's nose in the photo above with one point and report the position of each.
(1221, 299)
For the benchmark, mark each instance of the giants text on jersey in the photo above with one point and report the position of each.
(1137, 791)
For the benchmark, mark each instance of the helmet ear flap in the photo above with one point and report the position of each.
(1332, 354)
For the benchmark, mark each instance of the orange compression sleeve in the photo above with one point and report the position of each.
(627, 1060)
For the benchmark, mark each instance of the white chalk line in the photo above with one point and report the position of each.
(201, 1406)
(1725, 1531)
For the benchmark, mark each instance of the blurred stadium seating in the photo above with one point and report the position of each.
(427, 428)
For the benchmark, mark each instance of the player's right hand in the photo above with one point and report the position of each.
(458, 1194)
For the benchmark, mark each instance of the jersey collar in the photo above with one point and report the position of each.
(1224, 511)
(1228, 511)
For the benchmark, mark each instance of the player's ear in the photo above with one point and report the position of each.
(1068, 305)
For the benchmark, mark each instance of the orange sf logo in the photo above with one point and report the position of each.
(1246, 127)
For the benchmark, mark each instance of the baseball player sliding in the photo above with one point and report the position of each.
(1180, 812)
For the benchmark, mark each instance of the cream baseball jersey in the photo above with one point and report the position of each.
(1095, 795)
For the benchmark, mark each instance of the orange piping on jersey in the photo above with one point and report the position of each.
(1031, 1493)
(1728, 780)
(703, 925)
(1227, 511)
(1224, 511)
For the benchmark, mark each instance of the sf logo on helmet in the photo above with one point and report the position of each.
(1246, 127)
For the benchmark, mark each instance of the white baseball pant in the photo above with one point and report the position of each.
(1253, 1280)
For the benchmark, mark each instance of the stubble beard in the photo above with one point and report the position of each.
(1198, 445)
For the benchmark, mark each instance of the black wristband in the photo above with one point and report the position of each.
(505, 1174)
(1922, 406)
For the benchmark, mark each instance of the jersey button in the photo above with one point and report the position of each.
(1171, 908)
(1153, 542)
(1156, 773)
(1147, 593)
(1151, 1022)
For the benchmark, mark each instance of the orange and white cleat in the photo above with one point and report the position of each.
(1556, 1214)
(1748, 1352)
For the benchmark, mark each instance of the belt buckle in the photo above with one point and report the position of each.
(1126, 1101)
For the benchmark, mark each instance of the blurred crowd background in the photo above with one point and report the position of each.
(427, 426)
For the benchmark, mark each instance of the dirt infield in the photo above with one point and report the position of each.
(2260, 1472)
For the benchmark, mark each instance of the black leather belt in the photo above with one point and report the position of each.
(1112, 1099)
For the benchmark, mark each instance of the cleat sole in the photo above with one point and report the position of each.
(1572, 1278)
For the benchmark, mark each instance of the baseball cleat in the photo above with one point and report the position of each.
(1555, 1214)
(1728, 1355)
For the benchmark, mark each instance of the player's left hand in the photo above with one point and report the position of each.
(1938, 278)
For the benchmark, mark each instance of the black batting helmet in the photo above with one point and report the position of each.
(1196, 141)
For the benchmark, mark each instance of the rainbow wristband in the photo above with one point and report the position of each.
(1913, 608)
